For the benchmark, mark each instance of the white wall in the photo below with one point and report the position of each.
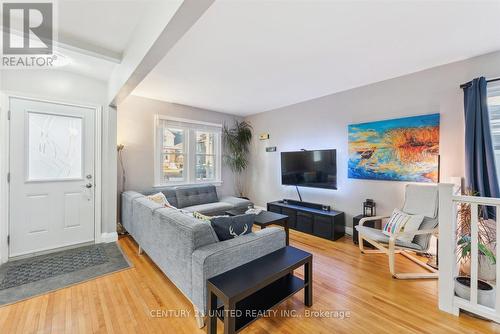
(64, 86)
(55, 84)
(322, 123)
(136, 132)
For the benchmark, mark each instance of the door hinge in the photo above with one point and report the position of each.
(8, 240)
(8, 115)
(8, 177)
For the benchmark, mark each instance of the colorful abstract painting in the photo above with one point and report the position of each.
(402, 149)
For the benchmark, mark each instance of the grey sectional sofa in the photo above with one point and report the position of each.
(186, 249)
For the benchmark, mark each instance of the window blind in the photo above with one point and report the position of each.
(494, 110)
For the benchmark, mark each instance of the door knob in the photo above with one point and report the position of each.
(88, 185)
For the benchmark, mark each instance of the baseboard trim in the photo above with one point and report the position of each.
(109, 237)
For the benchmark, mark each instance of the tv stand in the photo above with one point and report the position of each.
(311, 218)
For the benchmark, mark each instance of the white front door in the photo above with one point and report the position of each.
(51, 176)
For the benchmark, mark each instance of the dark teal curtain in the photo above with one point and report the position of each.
(480, 170)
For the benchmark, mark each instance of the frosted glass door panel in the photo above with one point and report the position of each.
(54, 147)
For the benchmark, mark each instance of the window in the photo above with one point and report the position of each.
(205, 156)
(187, 152)
(494, 110)
(54, 147)
(173, 154)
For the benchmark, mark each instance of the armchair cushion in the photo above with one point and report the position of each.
(424, 239)
(421, 200)
(377, 235)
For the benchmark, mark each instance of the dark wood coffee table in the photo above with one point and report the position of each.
(266, 218)
(243, 294)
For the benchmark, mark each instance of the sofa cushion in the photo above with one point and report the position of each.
(142, 212)
(236, 202)
(210, 209)
(200, 233)
(195, 195)
(229, 227)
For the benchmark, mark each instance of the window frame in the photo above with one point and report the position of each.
(216, 154)
(185, 153)
(190, 128)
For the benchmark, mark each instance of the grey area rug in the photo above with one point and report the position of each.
(21, 279)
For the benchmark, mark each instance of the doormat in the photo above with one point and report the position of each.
(21, 279)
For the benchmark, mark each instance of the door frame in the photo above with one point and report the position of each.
(5, 164)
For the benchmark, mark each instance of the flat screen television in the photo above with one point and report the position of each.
(317, 168)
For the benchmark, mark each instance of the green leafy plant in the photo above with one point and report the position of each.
(464, 248)
(236, 143)
(486, 239)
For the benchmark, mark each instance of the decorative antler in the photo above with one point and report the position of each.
(231, 231)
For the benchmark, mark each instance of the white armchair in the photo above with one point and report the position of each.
(419, 199)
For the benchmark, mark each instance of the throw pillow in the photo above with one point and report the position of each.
(227, 227)
(411, 226)
(160, 199)
(201, 216)
(402, 222)
(394, 224)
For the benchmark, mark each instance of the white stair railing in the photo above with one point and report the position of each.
(448, 264)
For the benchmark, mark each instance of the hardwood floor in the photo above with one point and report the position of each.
(138, 300)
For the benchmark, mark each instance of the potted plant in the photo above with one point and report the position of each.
(236, 143)
(486, 259)
(486, 240)
(486, 254)
(485, 291)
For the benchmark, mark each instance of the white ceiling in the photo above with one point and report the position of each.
(245, 57)
(104, 26)
(100, 29)
(84, 64)
(92, 35)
